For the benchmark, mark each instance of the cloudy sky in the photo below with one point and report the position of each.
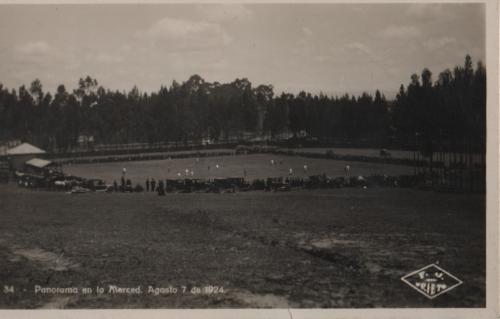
(331, 48)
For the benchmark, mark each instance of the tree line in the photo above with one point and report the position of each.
(450, 109)
(448, 114)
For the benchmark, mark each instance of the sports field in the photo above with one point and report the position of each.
(324, 248)
(255, 166)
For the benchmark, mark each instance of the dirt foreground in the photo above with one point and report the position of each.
(311, 249)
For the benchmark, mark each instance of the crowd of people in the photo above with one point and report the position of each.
(160, 186)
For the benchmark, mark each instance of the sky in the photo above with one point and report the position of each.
(329, 48)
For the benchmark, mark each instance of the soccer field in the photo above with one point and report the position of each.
(325, 248)
(255, 165)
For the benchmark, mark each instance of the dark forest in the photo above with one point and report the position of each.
(449, 109)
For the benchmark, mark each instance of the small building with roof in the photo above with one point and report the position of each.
(19, 155)
(41, 167)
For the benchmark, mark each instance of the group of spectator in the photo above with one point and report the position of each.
(125, 185)
(152, 186)
(159, 186)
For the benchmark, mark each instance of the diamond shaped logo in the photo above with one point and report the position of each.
(431, 281)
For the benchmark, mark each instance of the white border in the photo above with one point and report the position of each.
(492, 204)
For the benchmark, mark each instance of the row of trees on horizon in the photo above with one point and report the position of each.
(450, 108)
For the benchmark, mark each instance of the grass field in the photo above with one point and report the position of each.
(256, 166)
(329, 248)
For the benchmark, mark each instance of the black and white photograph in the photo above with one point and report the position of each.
(248, 156)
